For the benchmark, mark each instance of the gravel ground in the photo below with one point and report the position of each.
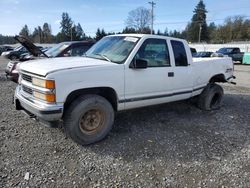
(171, 145)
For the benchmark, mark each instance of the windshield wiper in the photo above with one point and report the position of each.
(104, 56)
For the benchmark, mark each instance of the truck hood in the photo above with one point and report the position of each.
(30, 46)
(45, 66)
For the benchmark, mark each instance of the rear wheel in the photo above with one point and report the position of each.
(211, 97)
(89, 119)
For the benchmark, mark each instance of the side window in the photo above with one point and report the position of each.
(236, 50)
(23, 49)
(67, 52)
(79, 50)
(180, 54)
(155, 52)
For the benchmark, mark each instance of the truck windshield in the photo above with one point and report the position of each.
(115, 49)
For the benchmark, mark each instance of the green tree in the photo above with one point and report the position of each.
(100, 34)
(128, 30)
(212, 32)
(25, 31)
(66, 27)
(80, 35)
(47, 33)
(37, 35)
(166, 32)
(198, 23)
(7, 39)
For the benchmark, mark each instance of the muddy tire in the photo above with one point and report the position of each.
(211, 97)
(88, 119)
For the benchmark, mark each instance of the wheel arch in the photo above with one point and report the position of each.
(218, 78)
(106, 92)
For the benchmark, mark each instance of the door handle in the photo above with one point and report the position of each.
(171, 74)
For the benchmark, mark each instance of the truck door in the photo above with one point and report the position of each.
(152, 84)
(182, 78)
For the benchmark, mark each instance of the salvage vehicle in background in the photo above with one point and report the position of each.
(193, 51)
(203, 54)
(28, 56)
(4, 48)
(120, 72)
(64, 49)
(15, 54)
(234, 53)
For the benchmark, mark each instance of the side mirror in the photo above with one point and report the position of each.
(139, 64)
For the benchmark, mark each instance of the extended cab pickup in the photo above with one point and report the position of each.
(120, 72)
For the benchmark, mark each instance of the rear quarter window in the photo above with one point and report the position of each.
(180, 54)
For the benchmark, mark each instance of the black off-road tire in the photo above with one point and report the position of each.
(78, 126)
(211, 97)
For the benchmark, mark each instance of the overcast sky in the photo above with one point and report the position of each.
(109, 14)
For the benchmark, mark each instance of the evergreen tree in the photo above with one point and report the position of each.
(47, 33)
(159, 32)
(25, 31)
(7, 39)
(100, 34)
(128, 30)
(212, 32)
(80, 35)
(36, 35)
(198, 23)
(66, 27)
(166, 32)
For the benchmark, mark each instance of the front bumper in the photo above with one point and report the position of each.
(43, 111)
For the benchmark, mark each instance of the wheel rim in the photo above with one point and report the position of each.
(92, 121)
(215, 100)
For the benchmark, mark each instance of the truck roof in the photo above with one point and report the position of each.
(146, 36)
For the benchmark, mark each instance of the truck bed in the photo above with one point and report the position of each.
(212, 60)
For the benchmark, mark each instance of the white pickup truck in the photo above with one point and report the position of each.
(120, 72)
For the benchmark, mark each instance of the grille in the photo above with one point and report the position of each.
(27, 90)
(26, 78)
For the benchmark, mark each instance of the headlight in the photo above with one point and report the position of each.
(49, 84)
(45, 97)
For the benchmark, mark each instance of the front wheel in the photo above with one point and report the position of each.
(211, 97)
(89, 119)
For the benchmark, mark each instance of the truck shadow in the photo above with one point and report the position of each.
(179, 132)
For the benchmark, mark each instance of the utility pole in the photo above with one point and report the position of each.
(200, 33)
(152, 3)
(71, 33)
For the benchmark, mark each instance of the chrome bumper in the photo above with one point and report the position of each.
(43, 111)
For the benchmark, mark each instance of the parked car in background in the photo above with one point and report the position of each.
(70, 49)
(29, 56)
(193, 52)
(15, 54)
(64, 49)
(234, 53)
(203, 54)
(5, 48)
